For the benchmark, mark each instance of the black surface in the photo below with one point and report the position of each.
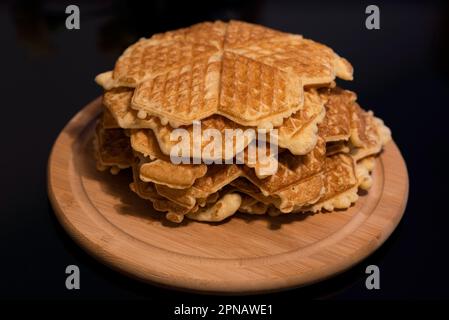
(401, 72)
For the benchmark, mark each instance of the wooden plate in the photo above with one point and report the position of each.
(246, 254)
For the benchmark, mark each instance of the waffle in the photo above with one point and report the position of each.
(339, 105)
(290, 169)
(223, 208)
(193, 73)
(364, 169)
(340, 184)
(247, 79)
(302, 183)
(297, 181)
(315, 63)
(112, 149)
(147, 190)
(342, 178)
(154, 165)
(368, 134)
(297, 134)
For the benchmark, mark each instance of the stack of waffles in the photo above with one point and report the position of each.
(225, 117)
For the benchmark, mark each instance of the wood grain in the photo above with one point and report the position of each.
(246, 254)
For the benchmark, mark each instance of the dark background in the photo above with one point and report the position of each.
(46, 74)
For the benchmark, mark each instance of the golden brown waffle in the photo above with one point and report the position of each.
(348, 128)
(182, 95)
(246, 187)
(158, 167)
(297, 181)
(217, 211)
(112, 149)
(240, 76)
(368, 134)
(217, 177)
(210, 68)
(302, 183)
(337, 194)
(147, 190)
(172, 175)
(257, 94)
(149, 58)
(340, 184)
(298, 133)
(118, 104)
(163, 136)
(205, 33)
(339, 105)
(291, 170)
(313, 62)
(242, 34)
(364, 168)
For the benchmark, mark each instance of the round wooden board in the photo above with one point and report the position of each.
(245, 254)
